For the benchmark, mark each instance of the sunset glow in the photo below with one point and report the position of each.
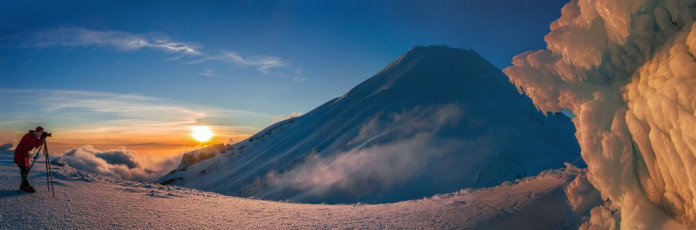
(201, 133)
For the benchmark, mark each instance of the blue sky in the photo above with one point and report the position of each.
(88, 68)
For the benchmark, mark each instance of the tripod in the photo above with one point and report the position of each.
(49, 175)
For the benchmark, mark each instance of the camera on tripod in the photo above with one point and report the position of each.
(49, 175)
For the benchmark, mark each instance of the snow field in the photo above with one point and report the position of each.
(89, 201)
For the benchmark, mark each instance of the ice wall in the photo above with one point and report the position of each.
(626, 68)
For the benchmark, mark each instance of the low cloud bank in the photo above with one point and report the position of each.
(122, 163)
(390, 150)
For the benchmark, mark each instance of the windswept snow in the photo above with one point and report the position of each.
(90, 201)
(436, 120)
(626, 68)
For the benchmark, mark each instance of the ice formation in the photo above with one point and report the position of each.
(626, 68)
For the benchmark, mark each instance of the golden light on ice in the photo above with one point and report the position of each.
(201, 133)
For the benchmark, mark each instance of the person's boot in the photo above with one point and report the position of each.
(25, 185)
(30, 189)
(27, 188)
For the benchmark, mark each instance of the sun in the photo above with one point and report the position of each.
(201, 133)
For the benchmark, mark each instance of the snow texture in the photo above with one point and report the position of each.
(436, 120)
(626, 68)
(91, 201)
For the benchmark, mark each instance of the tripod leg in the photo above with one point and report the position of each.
(49, 175)
(35, 157)
(47, 172)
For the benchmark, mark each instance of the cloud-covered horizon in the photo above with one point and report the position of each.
(112, 119)
(121, 162)
(192, 52)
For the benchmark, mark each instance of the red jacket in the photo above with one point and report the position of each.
(25, 145)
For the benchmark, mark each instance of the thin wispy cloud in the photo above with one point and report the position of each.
(117, 39)
(299, 75)
(189, 52)
(208, 73)
(296, 76)
(98, 112)
(263, 63)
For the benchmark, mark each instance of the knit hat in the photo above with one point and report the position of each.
(38, 129)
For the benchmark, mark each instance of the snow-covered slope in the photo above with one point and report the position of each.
(91, 201)
(435, 120)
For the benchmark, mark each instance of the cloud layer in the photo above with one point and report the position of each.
(376, 164)
(122, 163)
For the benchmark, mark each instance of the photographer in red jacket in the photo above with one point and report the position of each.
(33, 139)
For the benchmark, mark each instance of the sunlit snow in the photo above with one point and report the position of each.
(90, 201)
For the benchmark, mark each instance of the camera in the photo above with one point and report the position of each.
(45, 134)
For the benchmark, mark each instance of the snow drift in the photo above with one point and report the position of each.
(626, 68)
(435, 120)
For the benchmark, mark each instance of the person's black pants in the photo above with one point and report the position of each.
(24, 171)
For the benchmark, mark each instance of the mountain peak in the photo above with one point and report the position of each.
(440, 59)
(439, 52)
(435, 49)
(424, 70)
(436, 114)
